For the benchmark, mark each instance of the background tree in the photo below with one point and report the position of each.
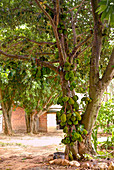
(10, 84)
(40, 93)
(73, 32)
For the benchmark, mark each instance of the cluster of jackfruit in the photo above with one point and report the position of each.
(70, 100)
(68, 66)
(76, 136)
(86, 100)
(69, 119)
(70, 74)
(66, 140)
(70, 156)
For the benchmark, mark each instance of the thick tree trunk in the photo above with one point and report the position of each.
(7, 120)
(27, 118)
(7, 112)
(30, 122)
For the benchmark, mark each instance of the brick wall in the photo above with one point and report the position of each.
(43, 123)
(18, 119)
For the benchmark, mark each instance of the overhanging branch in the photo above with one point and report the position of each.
(72, 55)
(54, 29)
(26, 57)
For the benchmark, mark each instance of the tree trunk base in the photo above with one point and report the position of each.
(79, 149)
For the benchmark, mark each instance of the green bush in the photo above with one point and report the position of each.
(105, 121)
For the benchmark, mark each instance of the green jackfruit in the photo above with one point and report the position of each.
(71, 74)
(73, 84)
(69, 122)
(75, 136)
(85, 132)
(72, 143)
(69, 115)
(65, 130)
(75, 122)
(73, 118)
(71, 101)
(63, 117)
(78, 116)
(58, 114)
(75, 98)
(59, 101)
(71, 88)
(76, 106)
(80, 139)
(70, 157)
(63, 124)
(65, 99)
(67, 76)
(66, 140)
(67, 66)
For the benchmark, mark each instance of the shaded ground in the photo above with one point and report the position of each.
(31, 152)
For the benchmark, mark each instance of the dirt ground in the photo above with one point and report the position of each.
(31, 152)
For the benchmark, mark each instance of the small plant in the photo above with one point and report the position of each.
(105, 121)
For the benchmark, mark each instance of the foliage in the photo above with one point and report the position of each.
(70, 39)
(106, 9)
(104, 122)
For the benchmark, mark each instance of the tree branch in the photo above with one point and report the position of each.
(54, 29)
(22, 57)
(25, 38)
(75, 7)
(78, 10)
(72, 55)
(57, 12)
(109, 72)
(73, 29)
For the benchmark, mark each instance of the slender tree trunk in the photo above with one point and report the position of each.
(7, 120)
(32, 122)
(27, 118)
(7, 112)
(35, 124)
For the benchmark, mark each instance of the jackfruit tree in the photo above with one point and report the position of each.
(72, 39)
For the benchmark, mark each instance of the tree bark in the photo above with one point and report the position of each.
(27, 118)
(7, 112)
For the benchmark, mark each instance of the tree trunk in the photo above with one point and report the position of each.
(36, 124)
(30, 122)
(27, 118)
(7, 112)
(7, 120)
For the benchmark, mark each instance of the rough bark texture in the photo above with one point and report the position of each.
(7, 111)
(27, 118)
(97, 85)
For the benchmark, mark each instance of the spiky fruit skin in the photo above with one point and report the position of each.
(69, 122)
(63, 117)
(65, 99)
(70, 157)
(71, 101)
(75, 98)
(66, 140)
(75, 122)
(73, 118)
(62, 124)
(76, 106)
(67, 76)
(85, 132)
(78, 116)
(69, 116)
(65, 130)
